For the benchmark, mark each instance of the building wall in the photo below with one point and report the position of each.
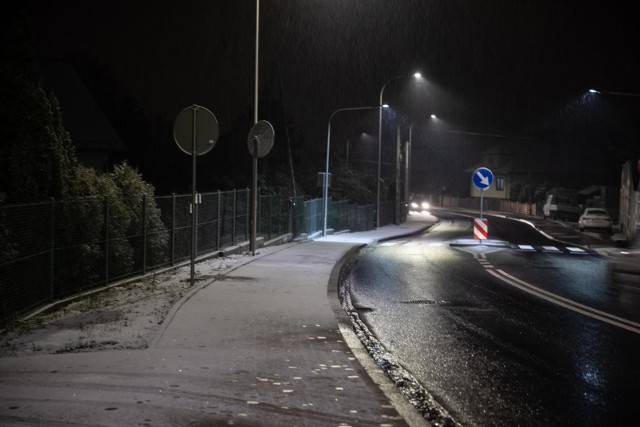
(493, 191)
(629, 204)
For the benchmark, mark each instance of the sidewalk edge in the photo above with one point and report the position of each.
(404, 408)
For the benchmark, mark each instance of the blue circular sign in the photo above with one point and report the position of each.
(482, 178)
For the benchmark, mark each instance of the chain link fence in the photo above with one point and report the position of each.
(55, 249)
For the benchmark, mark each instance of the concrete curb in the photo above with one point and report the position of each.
(409, 412)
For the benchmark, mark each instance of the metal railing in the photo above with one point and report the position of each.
(54, 249)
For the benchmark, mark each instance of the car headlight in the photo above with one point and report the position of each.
(414, 205)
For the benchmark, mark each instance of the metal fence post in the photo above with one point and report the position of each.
(290, 216)
(248, 213)
(173, 228)
(234, 216)
(52, 248)
(144, 234)
(218, 237)
(270, 216)
(106, 240)
(259, 213)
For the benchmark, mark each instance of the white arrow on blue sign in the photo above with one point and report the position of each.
(482, 178)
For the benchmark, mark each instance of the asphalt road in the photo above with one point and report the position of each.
(520, 332)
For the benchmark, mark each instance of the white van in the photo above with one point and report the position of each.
(562, 203)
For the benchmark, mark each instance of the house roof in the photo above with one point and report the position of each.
(532, 157)
(499, 158)
(89, 128)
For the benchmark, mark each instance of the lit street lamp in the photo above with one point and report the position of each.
(416, 76)
(325, 183)
(606, 92)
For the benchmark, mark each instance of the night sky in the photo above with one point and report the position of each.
(499, 67)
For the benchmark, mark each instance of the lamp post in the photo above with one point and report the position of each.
(257, 58)
(416, 76)
(325, 183)
(407, 164)
(407, 159)
(628, 217)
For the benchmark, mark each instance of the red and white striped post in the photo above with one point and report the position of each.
(482, 179)
(480, 228)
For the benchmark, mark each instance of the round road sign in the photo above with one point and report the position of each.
(482, 178)
(262, 133)
(201, 121)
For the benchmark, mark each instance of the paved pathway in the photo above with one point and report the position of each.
(267, 344)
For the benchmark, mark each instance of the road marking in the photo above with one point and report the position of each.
(557, 299)
(576, 250)
(473, 245)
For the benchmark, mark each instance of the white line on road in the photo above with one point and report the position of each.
(567, 303)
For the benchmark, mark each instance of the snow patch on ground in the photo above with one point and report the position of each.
(120, 317)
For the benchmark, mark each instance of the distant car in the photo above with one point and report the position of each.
(624, 271)
(418, 204)
(595, 218)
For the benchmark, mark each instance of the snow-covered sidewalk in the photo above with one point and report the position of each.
(118, 317)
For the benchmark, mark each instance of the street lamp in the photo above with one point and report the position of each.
(325, 183)
(416, 76)
(606, 92)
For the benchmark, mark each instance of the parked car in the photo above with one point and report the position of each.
(595, 218)
(624, 271)
(561, 203)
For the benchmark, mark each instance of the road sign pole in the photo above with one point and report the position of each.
(259, 143)
(254, 197)
(195, 138)
(194, 222)
(482, 179)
